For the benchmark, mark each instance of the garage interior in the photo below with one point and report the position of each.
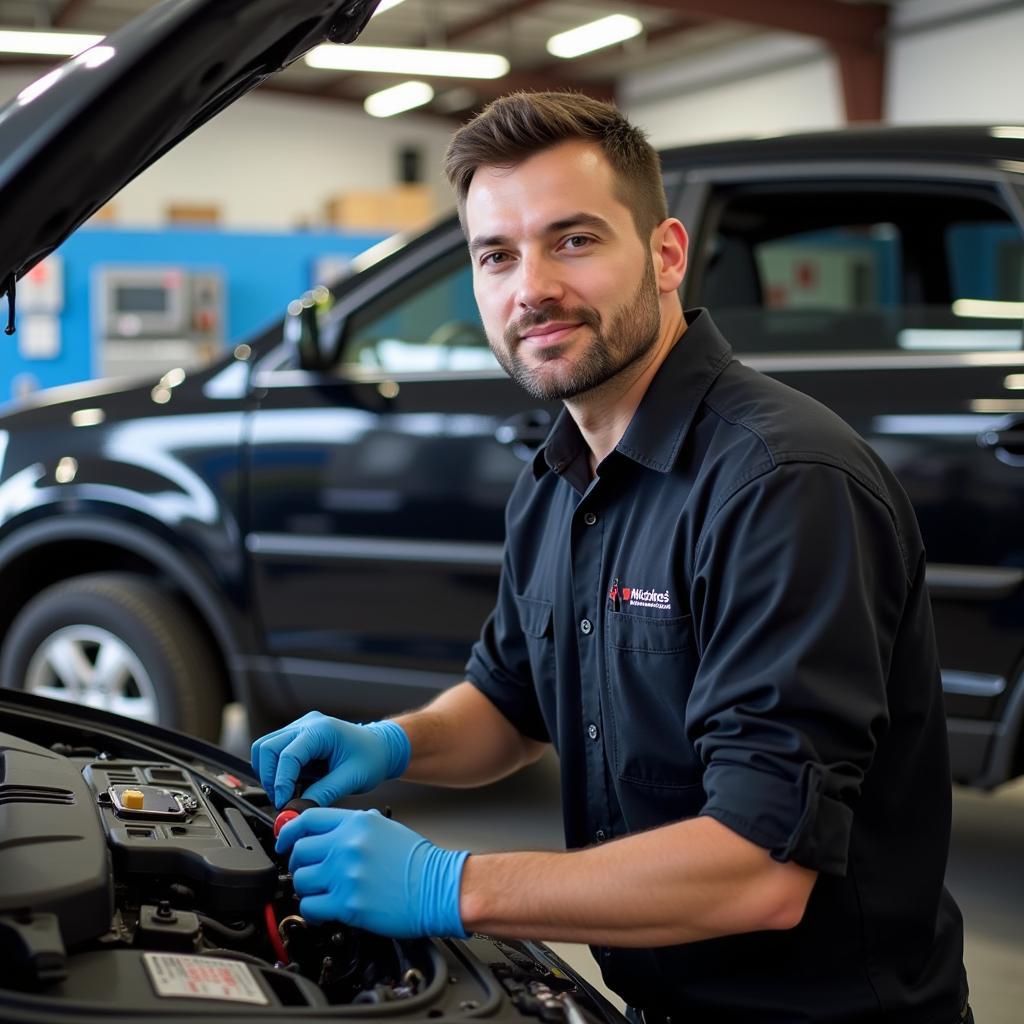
(693, 71)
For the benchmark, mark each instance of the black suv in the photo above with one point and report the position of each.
(317, 520)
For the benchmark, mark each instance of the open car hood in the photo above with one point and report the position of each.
(71, 140)
(111, 909)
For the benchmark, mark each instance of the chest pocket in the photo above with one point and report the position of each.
(535, 619)
(650, 666)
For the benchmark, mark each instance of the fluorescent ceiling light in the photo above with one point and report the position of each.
(598, 34)
(997, 405)
(938, 339)
(51, 44)
(397, 99)
(395, 61)
(989, 309)
(385, 5)
(1008, 132)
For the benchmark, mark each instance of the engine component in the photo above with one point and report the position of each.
(177, 832)
(53, 858)
(148, 802)
(164, 981)
(162, 927)
(292, 809)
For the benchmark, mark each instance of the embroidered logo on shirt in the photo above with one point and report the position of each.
(639, 597)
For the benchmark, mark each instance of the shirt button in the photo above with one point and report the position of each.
(586, 627)
(592, 731)
(590, 519)
(600, 835)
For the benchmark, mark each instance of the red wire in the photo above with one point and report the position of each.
(274, 934)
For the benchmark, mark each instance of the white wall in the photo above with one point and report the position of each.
(272, 161)
(778, 83)
(969, 71)
(950, 61)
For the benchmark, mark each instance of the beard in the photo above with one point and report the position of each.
(631, 333)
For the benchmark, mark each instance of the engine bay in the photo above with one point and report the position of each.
(150, 883)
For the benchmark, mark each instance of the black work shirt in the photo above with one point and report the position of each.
(731, 619)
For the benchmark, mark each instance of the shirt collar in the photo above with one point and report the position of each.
(666, 411)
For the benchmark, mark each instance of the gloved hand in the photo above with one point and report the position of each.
(371, 872)
(359, 757)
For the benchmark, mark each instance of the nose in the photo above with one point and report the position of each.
(540, 283)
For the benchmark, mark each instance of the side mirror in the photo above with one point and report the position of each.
(302, 327)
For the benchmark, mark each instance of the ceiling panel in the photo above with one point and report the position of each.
(519, 29)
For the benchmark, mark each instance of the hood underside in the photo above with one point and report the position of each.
(74, 138)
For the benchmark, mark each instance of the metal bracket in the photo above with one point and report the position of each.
(10, 289)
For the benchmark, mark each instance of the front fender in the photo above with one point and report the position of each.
(222, 607)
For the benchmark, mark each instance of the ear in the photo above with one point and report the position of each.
(669, 247)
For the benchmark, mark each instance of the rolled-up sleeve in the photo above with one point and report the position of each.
(799, 584)
(499, 664)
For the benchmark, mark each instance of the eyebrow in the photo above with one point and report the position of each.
(574, 220)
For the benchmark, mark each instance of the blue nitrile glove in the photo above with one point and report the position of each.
(371, 872)
(358, 757)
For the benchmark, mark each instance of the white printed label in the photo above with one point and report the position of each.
(203, 977)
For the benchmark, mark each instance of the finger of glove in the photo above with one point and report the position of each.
(343, 781)
(310, 850)
(266, 758)
(260, 744)
(310, 743)
(285, 730)
(313, 880)
(315, 821)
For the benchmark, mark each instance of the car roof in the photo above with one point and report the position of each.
(980, 144)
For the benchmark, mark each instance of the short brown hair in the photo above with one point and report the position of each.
(514, 127)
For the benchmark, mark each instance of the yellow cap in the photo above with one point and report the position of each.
(133, 799)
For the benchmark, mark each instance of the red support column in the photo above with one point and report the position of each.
(862, 73)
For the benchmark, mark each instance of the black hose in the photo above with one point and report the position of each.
(225, 930)
(235, 954)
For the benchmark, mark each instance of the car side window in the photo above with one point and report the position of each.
(427, 323)
(851, 268)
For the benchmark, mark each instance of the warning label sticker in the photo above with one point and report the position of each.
(203, 977)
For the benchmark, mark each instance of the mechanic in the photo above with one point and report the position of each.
(712, 603)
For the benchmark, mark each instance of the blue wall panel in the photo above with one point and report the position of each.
(262, 274)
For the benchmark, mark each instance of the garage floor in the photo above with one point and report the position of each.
(985, 870)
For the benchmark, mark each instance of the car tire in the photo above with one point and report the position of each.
(116, 641)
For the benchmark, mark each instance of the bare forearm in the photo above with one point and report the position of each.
(681, 883)
(461, 739)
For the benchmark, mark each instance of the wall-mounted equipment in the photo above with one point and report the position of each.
(40, 302)
(151, 318)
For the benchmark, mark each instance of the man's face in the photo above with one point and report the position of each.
(566, 288)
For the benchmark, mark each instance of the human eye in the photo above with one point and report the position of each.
(493, 259)
(577, 242)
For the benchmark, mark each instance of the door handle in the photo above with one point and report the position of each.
(1010, 440)
(527, 429)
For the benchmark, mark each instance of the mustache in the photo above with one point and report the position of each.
(537, 318)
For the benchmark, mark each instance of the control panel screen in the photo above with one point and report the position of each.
(138, 299)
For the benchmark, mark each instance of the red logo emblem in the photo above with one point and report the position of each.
(626, 593)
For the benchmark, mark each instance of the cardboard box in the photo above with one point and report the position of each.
(193, 213)
(400, 208)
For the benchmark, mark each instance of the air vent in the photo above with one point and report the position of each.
(35, 795)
